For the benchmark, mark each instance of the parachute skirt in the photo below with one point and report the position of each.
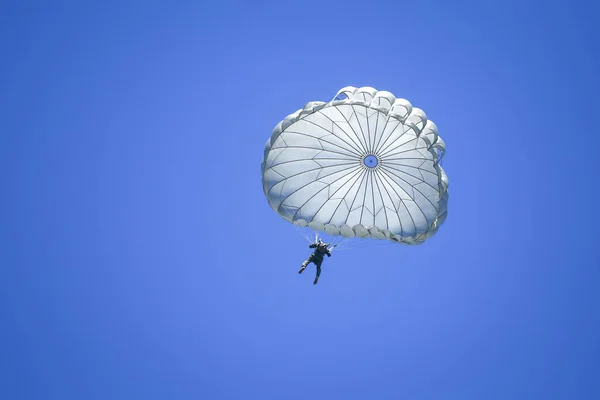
(364, 165)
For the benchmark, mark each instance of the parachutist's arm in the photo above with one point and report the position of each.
(328, 253)
(312, 245)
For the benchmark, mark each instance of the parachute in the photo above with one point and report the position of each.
(365, 165)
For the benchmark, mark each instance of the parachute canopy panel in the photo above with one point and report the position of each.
(364, 165)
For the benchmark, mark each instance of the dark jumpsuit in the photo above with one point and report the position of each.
(317, 256)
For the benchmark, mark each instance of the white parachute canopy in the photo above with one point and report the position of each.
(364, 165)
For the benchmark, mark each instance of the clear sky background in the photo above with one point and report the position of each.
(140, 259)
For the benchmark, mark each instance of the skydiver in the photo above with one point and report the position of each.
(316, 257)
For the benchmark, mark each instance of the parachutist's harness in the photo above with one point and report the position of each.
(317, 256)
(320, 250)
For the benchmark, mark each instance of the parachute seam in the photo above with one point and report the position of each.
(378, 137)
(275, 159)
(360, 148)
(355, 196)
(416, 177)
(389, 150)
(382, 201)
(402, 202)
(302, 187)
(323, 205)
(304, 172)
(326, 141)
(309, 199)
(380, 143)
(362, 132)
(322, 150)
(362, 207)
(325, 129)
(377, 114)
(392, 162)
(368, 129)
(345, 202)
(392, 201)
(360, 145)
(294, 161)
(373, 195)
(414, 197)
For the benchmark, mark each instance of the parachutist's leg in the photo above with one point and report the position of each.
(304, 265)
(318, 273)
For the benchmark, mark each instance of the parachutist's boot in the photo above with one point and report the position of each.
(302, 269)
(316, 280)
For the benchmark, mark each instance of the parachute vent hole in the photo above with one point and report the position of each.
(370, 161)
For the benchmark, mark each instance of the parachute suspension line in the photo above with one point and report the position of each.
(355, 244)
(312, 236)
(303, 233)
(339, 243)
(299, 229)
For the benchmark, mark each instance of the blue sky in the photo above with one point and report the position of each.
(140, 259)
